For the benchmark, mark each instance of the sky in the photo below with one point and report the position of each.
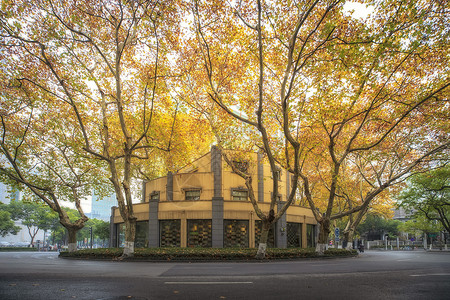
(359, 10)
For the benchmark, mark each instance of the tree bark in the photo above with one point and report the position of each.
(322, 243)
(72, 233)
(348, 238)
(130, 235)
(263, 240)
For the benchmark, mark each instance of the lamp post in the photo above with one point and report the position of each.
(90, 233)
(386, 240)
(43, 242)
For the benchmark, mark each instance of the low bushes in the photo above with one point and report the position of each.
(340, 252)
(203, 254)
(16, 249)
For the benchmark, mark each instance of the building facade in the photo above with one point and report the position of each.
(206, 205)
(101, 207)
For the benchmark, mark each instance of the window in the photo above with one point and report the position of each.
(141, 240)
(170, 233)
(235, 233)
(192, 194)
(278, 174)
(310, 235)
(294, 235)
(141, 234)
(199, 233)
(239, 195)
(154, 196)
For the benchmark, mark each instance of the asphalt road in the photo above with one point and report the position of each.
(372, 275)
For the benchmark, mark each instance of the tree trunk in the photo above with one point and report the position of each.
(130, 234)
(322, 243)
(72, 233)
(425, 246)
(348, 239)
(263, 240)
(32, 233)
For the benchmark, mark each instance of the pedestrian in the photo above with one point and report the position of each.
(361, 248)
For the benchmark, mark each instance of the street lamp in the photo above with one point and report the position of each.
(386, 240)
(90, 233)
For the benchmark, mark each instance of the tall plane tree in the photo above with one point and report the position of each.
(108, 64)
(328, 95)
(40, 156)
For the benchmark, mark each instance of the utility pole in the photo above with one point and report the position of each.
(90, 232)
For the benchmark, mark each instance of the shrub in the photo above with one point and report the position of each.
(17, 249)
(340, 252)
(203, 254)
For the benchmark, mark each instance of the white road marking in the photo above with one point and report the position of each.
(424, 275)
(405, 259)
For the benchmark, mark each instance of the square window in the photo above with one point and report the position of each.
(239, 195)
(192, 195)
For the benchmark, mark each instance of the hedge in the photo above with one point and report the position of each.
(17, 249)
(204, 254)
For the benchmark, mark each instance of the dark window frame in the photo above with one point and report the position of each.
(233, 190)
(153, 194)
(190, 197)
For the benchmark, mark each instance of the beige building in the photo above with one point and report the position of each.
(206, 204)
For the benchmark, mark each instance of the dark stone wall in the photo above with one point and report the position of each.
(153, 222)
(217, 200)
(169, 187)
(280, 227)
(112, 230)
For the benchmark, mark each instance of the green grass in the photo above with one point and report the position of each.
(203, 254)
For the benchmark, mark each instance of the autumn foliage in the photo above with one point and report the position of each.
(350, 105)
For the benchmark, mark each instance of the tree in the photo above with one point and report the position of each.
(59, 234)
(375, 224)
(35, 216)
(108, 66)
(7, 225)
(41, 156)
(349, 106)
(100, 230)
(382, 206)
(420, 225)
(428, 194)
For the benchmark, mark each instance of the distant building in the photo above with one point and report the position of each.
(7, 194)
(101, 207)
(206, 204)
(402, 214)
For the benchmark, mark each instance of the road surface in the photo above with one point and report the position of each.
(372, 275)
